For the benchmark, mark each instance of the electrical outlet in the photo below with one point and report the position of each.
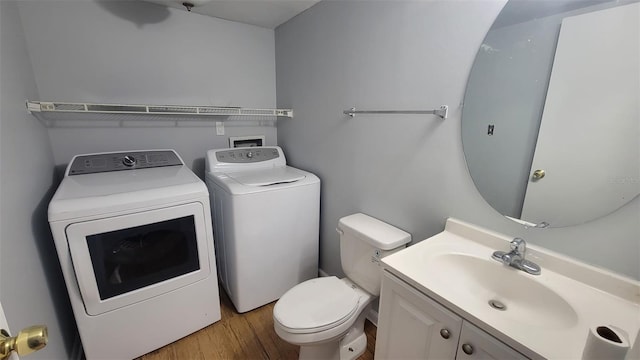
(219, 128)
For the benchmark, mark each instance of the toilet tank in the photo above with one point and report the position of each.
(363, 242)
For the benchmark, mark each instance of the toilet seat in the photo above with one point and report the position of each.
(316, 305)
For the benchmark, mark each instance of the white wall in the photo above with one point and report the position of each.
(31, 283)
(133, 52)
(407, 170)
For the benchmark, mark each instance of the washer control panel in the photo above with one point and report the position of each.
(96, 163)
(247, 155)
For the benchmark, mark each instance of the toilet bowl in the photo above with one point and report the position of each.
(325, 316)
(318, 314)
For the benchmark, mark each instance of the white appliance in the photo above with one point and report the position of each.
(134, 238)
(266, 223)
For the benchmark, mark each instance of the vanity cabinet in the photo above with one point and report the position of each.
(477, 344)
(413, 326)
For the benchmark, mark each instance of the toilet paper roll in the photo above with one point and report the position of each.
(606, 342)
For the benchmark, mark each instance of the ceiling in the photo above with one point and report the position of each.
(264, 13)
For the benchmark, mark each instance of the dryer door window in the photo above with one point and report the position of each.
(129, 258)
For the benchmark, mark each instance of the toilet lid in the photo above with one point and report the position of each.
(316, 305)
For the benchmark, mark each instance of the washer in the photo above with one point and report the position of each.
(133, 234)
(266, 222)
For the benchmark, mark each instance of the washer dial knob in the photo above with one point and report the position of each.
(249, 155)
(129, 160)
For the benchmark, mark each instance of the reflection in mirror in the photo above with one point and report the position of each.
(551, 118)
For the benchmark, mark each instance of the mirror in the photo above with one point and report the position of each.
(551, 117)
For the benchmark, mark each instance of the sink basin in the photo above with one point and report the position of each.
(546, 316)
(525, 298)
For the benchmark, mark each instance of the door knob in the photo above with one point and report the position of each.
(29, 340)
(538, 174)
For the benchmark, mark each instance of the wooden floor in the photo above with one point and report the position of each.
(240, 336)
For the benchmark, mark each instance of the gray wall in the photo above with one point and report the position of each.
(407, 170)
(133, 52)
(31, 285)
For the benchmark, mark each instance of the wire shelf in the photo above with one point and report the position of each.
(50, 112)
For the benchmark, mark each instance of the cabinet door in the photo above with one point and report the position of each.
(412, 326)
(477, 344)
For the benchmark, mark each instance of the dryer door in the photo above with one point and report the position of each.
(125, 259)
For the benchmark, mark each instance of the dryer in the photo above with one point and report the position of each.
(266, 223)
(133, 234)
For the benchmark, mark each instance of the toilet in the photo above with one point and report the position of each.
(325, 316)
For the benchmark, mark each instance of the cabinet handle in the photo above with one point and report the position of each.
(445, 333)
(468, 349)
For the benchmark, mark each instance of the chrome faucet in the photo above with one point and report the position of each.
(515, 257)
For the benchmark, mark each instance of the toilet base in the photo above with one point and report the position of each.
(328, 351)
(347, 347)
(353, 349)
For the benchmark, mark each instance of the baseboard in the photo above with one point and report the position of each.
(373, 313)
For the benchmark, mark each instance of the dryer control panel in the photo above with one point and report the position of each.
(96, 163)
(247, 155)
